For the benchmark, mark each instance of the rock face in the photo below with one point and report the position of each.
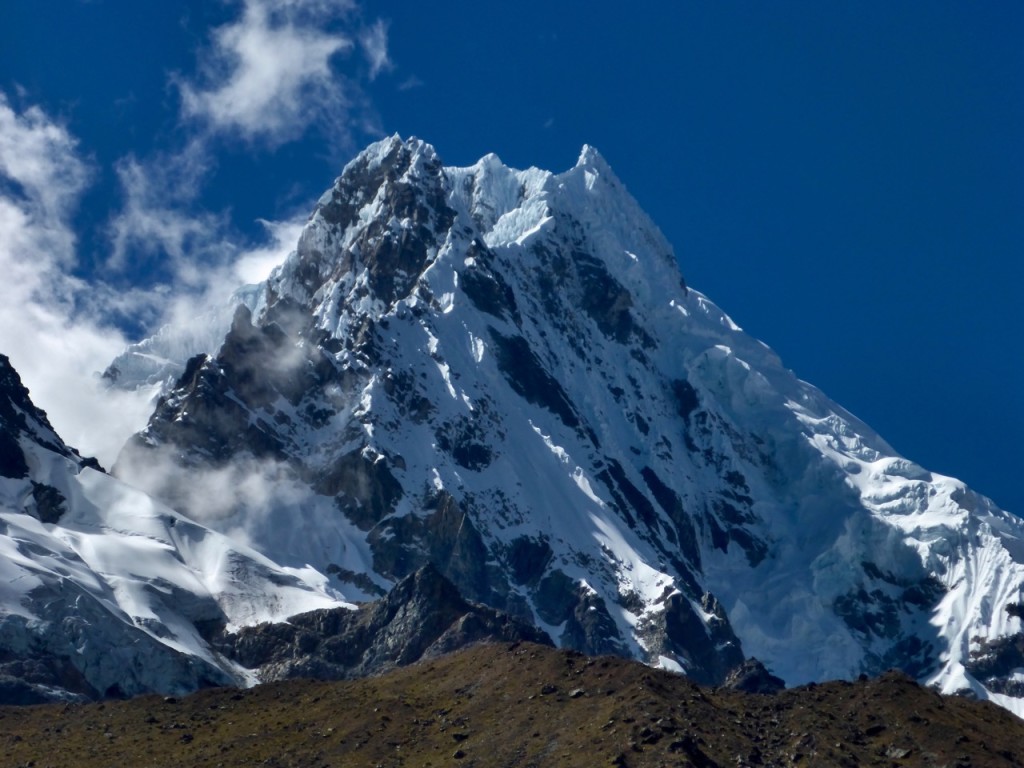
(21, 421)
(421, 618)
(502, 374)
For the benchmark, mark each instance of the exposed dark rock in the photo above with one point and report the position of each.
(527, 377)
(870, 614)
(604, 299)
(19, 416)
(527, 558)
(364, 488)
(401, 387)
(871, 610)
(486, 288)
(753, 677)
(16, 692)
(204, 413)
(710, 650)
(12, 458)
(35, 676)
(627, 495)
(444, 536)
(466, 442)
(413, 193)
(588, 626)
(360, 580)
(993, 662)
(50, 503)
(266, 362)
(73, 651)
(423, 616)
(668, 500)
(555, 597)
(686, 398)
(909, 654)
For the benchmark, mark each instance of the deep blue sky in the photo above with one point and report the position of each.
(845, 179)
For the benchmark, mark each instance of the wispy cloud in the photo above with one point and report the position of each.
(157, 218)
(255, 264)
(48, 330)
(374, 40)
(258, 502)
(44, 177)
(59, 330)
(197, 316)
(268, 75)
(409, 83)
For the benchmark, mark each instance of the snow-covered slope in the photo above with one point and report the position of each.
(104, 591)
(503, 373)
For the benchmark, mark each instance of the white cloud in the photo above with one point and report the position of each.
(269, 76)
(52, 340)
(255, 264)
(156, 218)
(205, 262)
(374, 40)
(38, 159)
(257, 502)
(196, 317)
(61, 331)
(266, 78)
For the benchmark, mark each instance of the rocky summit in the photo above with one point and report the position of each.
(501, 374)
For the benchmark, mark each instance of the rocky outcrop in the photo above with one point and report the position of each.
(997, 663)
(423, 617)
(753, 677)
(21, 420)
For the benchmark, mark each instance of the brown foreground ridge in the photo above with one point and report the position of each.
(519, 704)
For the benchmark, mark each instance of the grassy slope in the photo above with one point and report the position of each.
(519, 705)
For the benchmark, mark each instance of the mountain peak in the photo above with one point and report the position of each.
(501, 372)
(386, 151)
(590, 157)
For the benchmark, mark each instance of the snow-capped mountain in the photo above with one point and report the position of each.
(104, 591)
(503, 374)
